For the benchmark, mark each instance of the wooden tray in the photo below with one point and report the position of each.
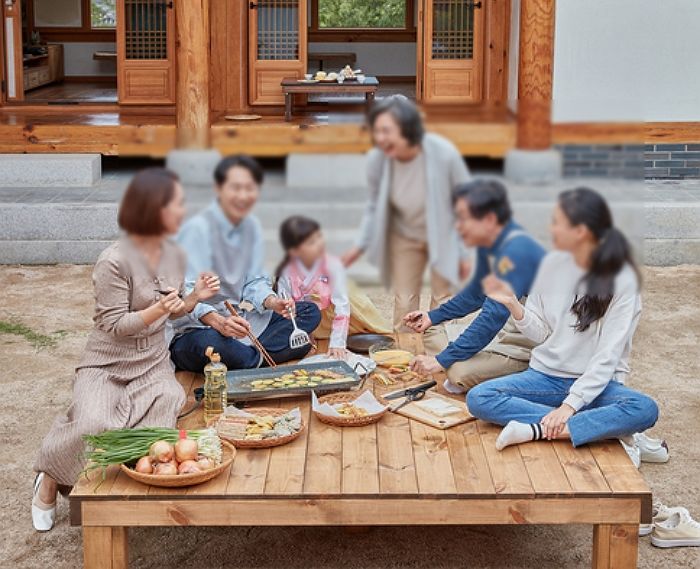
(265, 443)
(346, 421)
(412, 411)
(180, 480)
(242, 117)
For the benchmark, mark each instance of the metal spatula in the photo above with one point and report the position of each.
(299, 338)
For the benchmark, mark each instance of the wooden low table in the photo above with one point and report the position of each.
(395, 472)
(290, 86)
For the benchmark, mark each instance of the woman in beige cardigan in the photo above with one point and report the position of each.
(124, 378)
(409, 221)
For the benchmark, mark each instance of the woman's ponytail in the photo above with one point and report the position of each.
(613, 252)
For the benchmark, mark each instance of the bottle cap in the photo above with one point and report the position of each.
(215, 358)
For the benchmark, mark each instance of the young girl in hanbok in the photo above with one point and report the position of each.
(309, 273)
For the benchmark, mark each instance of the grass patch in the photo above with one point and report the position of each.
(36, 339)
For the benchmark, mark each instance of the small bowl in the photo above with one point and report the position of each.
(308, 76)
(361, 78)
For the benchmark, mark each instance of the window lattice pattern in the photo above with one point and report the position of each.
(146, 29)
(278, 29)
(453, 29)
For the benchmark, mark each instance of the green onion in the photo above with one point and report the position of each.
(123, 446)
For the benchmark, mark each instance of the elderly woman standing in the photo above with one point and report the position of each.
(408, 223)
(124, 378)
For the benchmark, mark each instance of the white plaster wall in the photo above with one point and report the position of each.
(78, 59)
(396, 58)
(627, 60)
(513, 55)
(621, 60)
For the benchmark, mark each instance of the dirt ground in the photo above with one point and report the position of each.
(36, 385)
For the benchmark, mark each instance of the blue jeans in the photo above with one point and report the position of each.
(187, 351)
(528, 396)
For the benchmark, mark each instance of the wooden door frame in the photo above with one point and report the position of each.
(145, 64)
(254, 63)
(14, 12)
(493, 47)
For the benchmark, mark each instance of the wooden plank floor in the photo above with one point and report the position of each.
(478, 131)
(398, 457)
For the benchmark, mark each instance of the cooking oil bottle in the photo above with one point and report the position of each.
(214, 386)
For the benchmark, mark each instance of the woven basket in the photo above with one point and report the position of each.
(336, 398)
(180, 480)
(265, 443)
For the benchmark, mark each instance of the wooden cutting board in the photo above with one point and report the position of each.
(413, 411)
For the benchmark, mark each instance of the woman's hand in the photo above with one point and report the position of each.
(206, 286)
(426, 365)
(498, 290)
(417, 321)
(554, 422)
(172, 303)
(283, 307)
(351, 256)
(338, 353)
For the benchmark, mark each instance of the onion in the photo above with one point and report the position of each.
(166, 469)
(188, 467)
(205, 463)
(161, 451)
(144, 465)
(186, 449)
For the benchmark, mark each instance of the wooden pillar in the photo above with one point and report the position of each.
(535, 69)
(192, 107)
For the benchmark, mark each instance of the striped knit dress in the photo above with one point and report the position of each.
(124, 378)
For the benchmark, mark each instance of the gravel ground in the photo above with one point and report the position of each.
(37, 385)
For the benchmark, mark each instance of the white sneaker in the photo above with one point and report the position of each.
(43, 520)
(650, 449)
(632, 451)
(679, 530)
(660, 513)
(452, 388)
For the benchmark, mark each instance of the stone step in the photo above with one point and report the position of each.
(98, 220)
(49, 170)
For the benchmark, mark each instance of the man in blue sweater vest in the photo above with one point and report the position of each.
(490, 346)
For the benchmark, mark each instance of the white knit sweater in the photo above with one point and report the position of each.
(593, 357)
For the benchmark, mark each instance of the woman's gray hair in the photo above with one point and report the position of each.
(404, 112)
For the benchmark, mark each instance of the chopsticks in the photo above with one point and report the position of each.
(252, 337)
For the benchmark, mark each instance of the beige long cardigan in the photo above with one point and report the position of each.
(444, 170)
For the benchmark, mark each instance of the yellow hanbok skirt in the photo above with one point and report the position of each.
(364, 316)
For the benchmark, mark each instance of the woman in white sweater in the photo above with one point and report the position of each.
(583, 309)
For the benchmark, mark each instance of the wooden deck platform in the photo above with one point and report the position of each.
(396, 472)
(477, 131)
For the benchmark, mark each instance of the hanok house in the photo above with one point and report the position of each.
(140, 77)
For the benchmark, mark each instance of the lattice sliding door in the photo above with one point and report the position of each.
(277, 30)
(452, 53)
(146, 51)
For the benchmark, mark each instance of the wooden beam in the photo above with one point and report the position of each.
(258, 510)
(496, 48)
(535, 74)
(193, 71)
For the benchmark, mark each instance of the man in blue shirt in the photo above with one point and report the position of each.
(227, 239)
(490, 346)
